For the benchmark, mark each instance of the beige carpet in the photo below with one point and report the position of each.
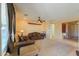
(56, 48)
(50, 47)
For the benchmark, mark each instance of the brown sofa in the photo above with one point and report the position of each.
(31, 48)
(36, 36)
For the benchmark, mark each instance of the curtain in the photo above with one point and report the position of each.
(12, 20)
(12, 26)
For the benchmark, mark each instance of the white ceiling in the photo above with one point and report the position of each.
(49, 11)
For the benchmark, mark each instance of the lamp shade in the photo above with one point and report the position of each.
(22, 31)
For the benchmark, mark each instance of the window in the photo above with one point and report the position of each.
(4, 28)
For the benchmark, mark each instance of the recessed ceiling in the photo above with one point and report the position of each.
(49, 11)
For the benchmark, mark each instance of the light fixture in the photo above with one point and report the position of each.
(38, 22)
(41, 21)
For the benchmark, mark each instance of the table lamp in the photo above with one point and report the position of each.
(22, 32)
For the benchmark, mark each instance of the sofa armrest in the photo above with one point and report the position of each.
(31, 50)
(19, 45)
(25, 43)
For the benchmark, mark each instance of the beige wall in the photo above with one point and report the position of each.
(22, 24)
(58, 31)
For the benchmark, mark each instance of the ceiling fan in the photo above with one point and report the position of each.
(39, 22)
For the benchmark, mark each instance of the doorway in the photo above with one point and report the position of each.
(50, 31)
(70, 30)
